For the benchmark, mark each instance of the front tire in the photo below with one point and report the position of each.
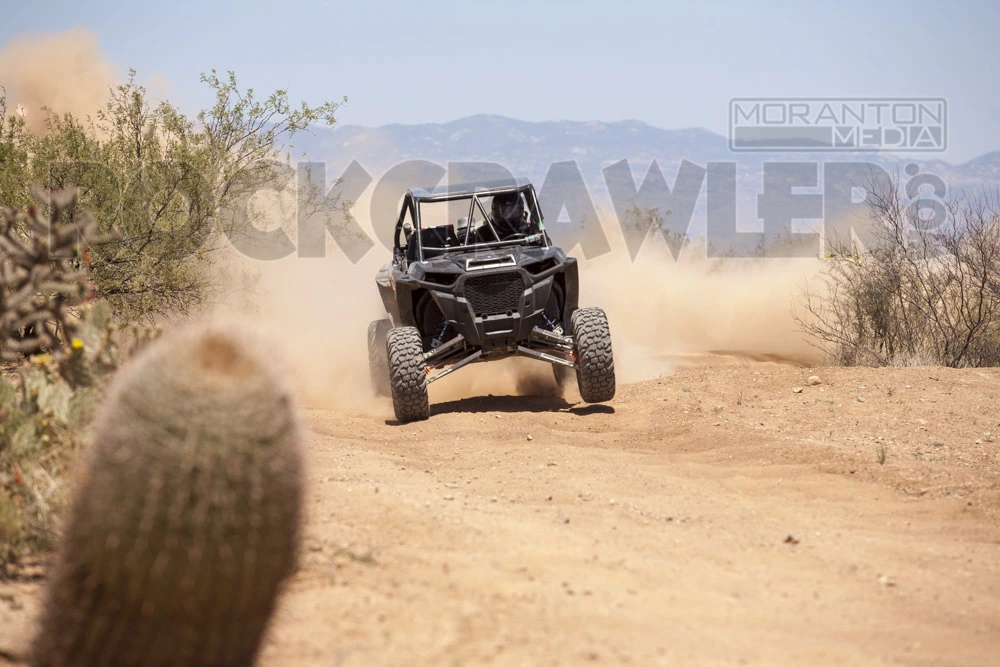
(407, 374)
(378, 358)
(595, 374)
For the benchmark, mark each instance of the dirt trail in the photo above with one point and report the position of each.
(710, 517)
(656, 529)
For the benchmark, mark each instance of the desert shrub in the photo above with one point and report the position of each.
(44, 409)
(177, 189)
(916, 293)
(638, 223)
(59, 344)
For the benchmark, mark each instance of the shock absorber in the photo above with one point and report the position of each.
(553, 327)
(440, 336)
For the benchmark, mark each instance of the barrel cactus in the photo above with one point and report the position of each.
(186, 519)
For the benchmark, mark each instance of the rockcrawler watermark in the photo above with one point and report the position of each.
(808, 200)
(838, 124)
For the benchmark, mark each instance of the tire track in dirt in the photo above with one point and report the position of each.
(671, 526)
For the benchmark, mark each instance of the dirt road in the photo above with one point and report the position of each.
(714, 516)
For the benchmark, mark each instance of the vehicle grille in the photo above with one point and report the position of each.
(497, 293)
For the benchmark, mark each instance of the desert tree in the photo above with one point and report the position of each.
(174, 188)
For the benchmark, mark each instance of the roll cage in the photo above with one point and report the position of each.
(447, 239)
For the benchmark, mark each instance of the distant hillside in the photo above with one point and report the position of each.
(528, 148)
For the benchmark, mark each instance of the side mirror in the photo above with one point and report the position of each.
(407, 231)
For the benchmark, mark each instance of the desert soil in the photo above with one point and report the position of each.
(713, 516)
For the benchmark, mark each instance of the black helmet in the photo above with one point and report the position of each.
(508, 213)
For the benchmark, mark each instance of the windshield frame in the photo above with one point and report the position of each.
(414, 199)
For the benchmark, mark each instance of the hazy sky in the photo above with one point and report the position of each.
(670, 65)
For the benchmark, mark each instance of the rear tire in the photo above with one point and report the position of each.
(595, 374)
(407, 374)
(378, 357)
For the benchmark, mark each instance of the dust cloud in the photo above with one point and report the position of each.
(663, 313)
(65, 72)
(317, 310)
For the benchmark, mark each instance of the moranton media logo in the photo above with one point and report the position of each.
(838, 124)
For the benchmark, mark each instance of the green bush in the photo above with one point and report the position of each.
(175, 189)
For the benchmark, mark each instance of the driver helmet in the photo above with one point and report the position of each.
(508, 211)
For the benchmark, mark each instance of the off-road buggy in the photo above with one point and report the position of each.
(475, 277)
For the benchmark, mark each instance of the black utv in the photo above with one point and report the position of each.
(475, 277)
